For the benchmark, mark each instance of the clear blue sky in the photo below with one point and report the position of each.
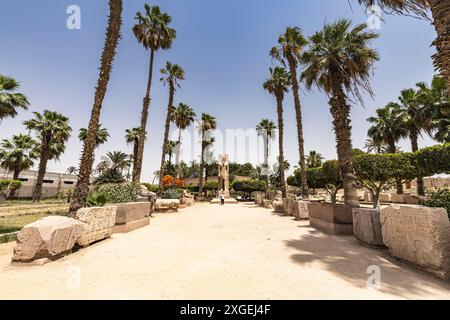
(223, 46)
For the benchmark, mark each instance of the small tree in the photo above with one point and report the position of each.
(327, 177)
(248, 187)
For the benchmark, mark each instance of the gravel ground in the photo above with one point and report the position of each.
(212, 252)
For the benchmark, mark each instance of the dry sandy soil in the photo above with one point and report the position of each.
(213, 252)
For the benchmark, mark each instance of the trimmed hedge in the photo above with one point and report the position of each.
(151, 187)
(327, 177)
(7, 185)
(120, 193)
(250, 186)
(433, 160)
(211, 186)
(439, 199)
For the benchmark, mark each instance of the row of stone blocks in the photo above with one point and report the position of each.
(415, 234)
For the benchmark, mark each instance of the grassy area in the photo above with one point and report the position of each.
(12, 203)
(16, 223)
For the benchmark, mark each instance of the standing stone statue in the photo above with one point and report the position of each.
(224, 175)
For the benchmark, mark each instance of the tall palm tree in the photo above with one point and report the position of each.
(53, 131)
(132, 136)
(171, 76)
(339, 61)
(117, 161)
(206, 125)
(266, 128)
(183, 116)
(416, 120)
(152, 30)
(277, 85)
(314, 160)
(90, 144)
(10, 100)
(18, 154)
(290, 48)
(388, 127)
(171, 148)
(101, 137)
(440, 10)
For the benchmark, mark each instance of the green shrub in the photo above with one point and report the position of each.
(211, 186)
(327, 177)
(7, 186)
(171, 194)
(433, 160)
(151, 187)
(96, 200)
(192, 189)
(250, 186)
(120, 193)
(292, 181)
(439, 199)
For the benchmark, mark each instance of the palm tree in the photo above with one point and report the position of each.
(171, 75)
(87, 159)
(72, 170)
(266, 128)
(101, 138)
(416, 120)
(53, 131)
(339, 61)
(314, 160)
(206, 125)
(290, 47)
(117, 161)
(10, 101)
(18, 154)
(183, 116)
(153, 32)
(436, 101)
(388, 127)
(440, 10)
(277, 85)
(132, 137)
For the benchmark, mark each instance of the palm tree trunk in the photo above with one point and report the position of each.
(299, 117)
(107, 60)
(166, 134)
(135, 151)
(342, 127)
(202, 165)
(280, 144)
(13, 194)
(440, 10)
(393, 149)
(413, 136)
(144, 118)
(45, 147)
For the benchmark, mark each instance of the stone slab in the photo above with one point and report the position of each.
(367, 226)
(331, 228)
(128, 212)
(98, 224)
(130, 226)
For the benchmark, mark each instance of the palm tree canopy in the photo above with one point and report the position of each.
(279, 81)
(18, 153)
(290, 43)
(183, 116)
(132, 135)
(101, 138)
(388, 126)
(53, 126)
(266, 128)
(414, 113)
(172, 74)
(152, 29)
(416, 7)
(340, 51)
(314, 159)
(116, 160)
(72, 170)
(207, 122)
(10, 100)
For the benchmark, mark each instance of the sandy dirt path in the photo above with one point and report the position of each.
(213, 252)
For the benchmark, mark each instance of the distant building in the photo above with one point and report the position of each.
(53, 182)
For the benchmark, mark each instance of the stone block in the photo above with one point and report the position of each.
(167, 205)
(367, 226)
(329, 218)
(98, 223)
(301, 210)
(278, 206)
(419, 235)
(47, 238)
(130, 226)
(130, 216)
(385, 197)
(268, 204)
(405, 199)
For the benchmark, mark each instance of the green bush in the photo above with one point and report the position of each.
(96, 200)
(151, 187)
(171, 194)
(250, 186)
(292, 181)
(439, 199)
(433, 160)
(193, 189)
(119, 193)
(211, 186)
(327, 177)
(7, 185)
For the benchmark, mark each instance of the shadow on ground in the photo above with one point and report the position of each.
(345, 257)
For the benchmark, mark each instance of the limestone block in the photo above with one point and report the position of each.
(368, 197)
(47, 238)
(385, 197)
(405, 199)
(128, 212)
(268, 204)
(278, 206)
(167, 205)
(98, 223)
(334, 219)
(301, 210)
(419, 235)
(367, 226)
